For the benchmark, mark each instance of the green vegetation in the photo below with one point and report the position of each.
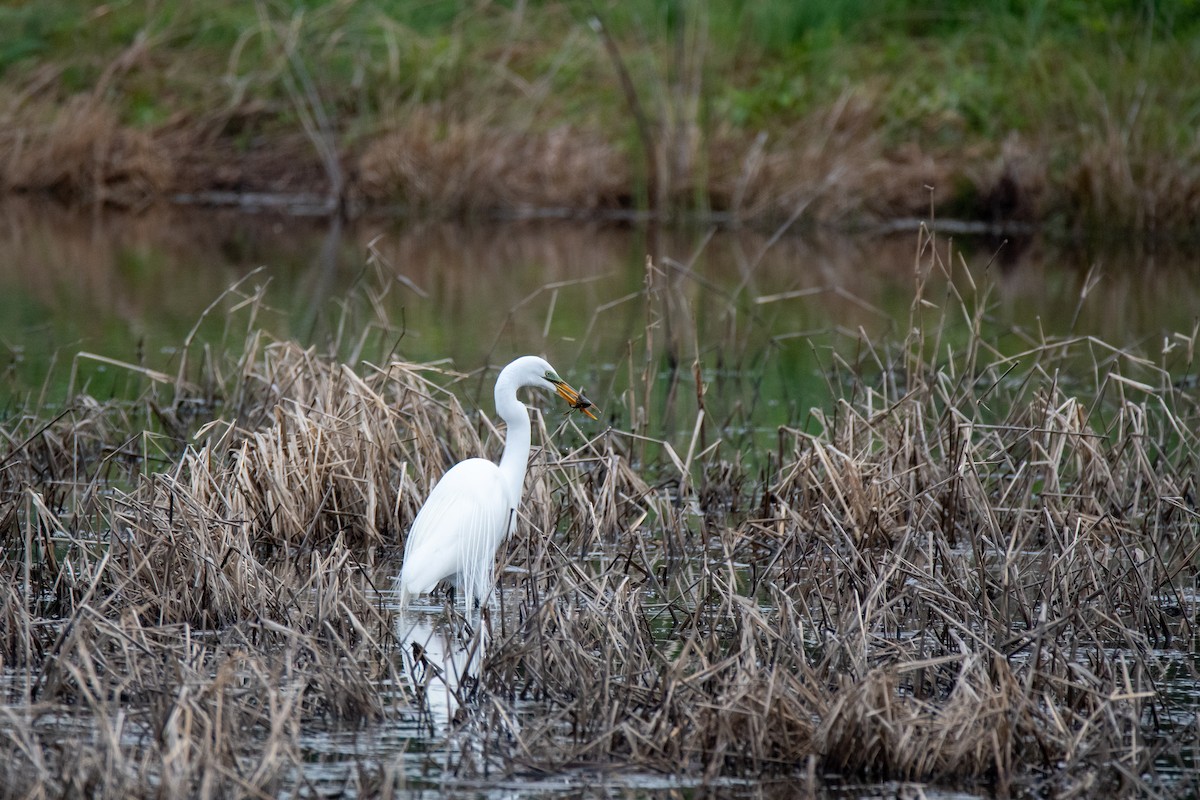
(1067, 113)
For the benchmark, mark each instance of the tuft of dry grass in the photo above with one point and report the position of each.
(81, 152)
(834, 168)
(242, 501)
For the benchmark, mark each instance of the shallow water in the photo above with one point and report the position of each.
(423, 750)
(763, 322)
(418, 762)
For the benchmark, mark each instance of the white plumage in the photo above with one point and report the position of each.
(473, 508)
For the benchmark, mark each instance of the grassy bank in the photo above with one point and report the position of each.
(1067, 115)
(968, 569)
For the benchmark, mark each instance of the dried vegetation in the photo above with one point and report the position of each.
(81, 152)
(972, 568)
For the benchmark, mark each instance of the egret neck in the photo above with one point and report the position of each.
(515, 459)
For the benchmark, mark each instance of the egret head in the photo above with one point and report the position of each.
(537, 372)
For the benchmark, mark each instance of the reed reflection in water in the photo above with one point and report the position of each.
(760, 317)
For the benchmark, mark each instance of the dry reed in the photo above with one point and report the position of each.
(973, 568)
(969, 573)
(190, 623)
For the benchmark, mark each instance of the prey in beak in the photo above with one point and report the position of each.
(575, 399)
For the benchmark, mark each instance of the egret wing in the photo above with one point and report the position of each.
(457, 531)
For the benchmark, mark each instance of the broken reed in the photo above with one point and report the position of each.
(971, 567)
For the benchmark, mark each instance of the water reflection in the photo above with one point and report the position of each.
(131, 287)
(442, 657)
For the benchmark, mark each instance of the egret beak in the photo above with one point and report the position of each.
(575, 399)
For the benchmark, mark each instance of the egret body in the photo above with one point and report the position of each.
(473, 508)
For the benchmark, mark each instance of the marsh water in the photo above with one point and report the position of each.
(761, 319)
(761, 314)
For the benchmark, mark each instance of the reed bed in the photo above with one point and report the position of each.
(973, 568)
(193, 622)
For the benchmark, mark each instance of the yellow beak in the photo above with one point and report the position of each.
(575, 399)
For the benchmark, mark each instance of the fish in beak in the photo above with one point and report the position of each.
(575, 399)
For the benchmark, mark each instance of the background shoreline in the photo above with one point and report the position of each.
(1063, 119)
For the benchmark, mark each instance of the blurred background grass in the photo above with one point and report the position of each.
(1084, 106)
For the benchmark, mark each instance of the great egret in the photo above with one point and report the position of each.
(473, 508)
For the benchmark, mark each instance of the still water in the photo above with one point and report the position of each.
(762, 317)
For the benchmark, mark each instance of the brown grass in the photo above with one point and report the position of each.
(972, 569)
(832, 168)
(835, 166)
(965, 574)
(81, 152)
(452, 167)
(449, 164)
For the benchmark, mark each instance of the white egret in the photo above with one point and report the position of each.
(473, 508)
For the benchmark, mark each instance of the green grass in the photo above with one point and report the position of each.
(995, 64)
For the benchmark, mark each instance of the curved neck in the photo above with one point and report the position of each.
(517, 439)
